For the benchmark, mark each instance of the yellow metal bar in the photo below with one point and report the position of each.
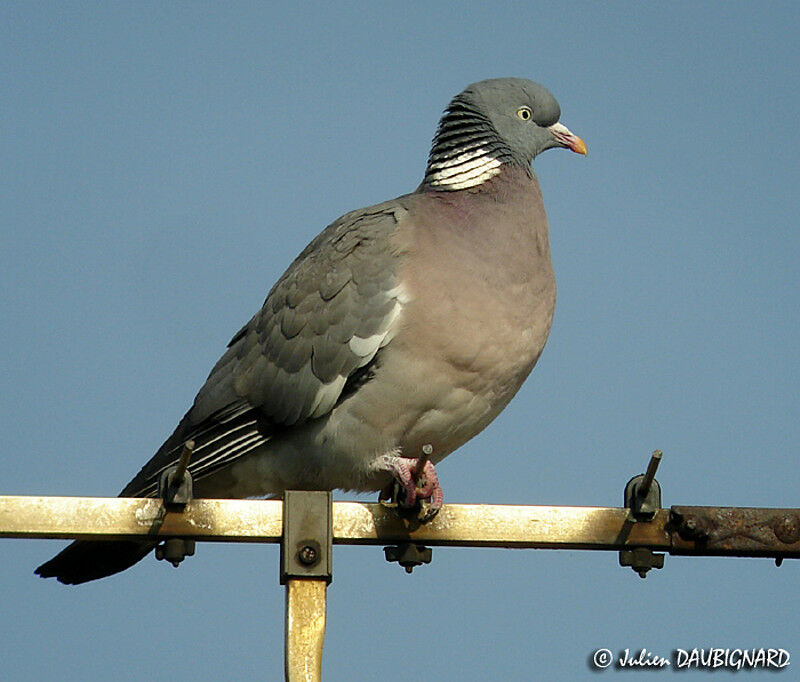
(119, 517)
(485, 525)
(702, 531)
(682, 530)
(353, 523)
(305, 629)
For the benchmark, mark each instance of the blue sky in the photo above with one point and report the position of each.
(163, 163)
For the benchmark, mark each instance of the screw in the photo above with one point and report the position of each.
(307, 555)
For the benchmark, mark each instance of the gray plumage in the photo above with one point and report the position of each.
(407, 324)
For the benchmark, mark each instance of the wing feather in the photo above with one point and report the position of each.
(322, 323)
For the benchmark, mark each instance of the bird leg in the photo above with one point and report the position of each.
(413, 484)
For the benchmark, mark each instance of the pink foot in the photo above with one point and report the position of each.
(424, 488)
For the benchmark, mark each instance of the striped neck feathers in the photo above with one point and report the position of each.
(467, 150)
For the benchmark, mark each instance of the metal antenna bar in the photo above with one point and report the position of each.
(306, 568)
(701, 531)
(305, 629)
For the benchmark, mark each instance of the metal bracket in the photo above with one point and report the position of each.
(306, 545)
(643, 499)
(175, 482)
(175, 550)
(641, 560)
(409, 555)
(175, 488)
(643, 493)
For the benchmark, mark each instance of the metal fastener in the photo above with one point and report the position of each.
(307, 555)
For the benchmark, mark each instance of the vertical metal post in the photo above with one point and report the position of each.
(306, 563)
(305, 629)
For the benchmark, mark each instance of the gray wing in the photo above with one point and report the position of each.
(321, 325)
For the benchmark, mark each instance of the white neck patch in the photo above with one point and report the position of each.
(470, 169)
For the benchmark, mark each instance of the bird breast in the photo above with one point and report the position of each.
(481, 295)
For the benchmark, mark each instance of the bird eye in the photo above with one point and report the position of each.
(525, 113)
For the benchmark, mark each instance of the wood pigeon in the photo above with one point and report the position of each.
(399, 333)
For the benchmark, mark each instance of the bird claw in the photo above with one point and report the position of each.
(411, 492)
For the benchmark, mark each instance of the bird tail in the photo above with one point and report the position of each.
(220, 439)
(86, 560)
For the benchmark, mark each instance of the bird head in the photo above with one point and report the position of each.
(493, 122)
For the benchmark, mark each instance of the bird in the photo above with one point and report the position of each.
(400, 332)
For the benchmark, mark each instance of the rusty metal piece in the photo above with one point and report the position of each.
(690, 525)
(738, 531)
(787, 528)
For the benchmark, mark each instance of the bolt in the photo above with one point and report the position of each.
(307, 555)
